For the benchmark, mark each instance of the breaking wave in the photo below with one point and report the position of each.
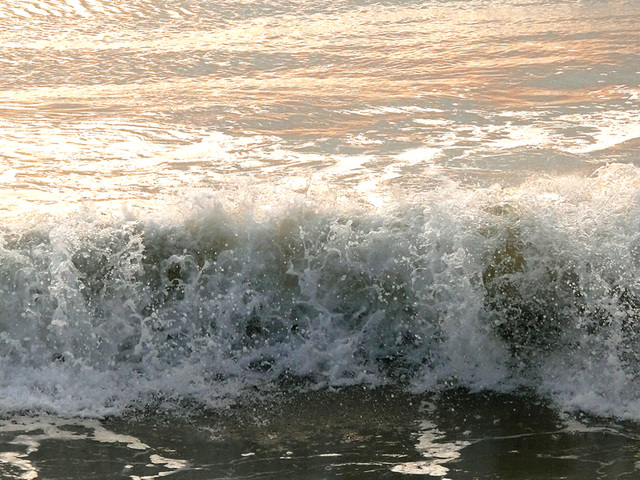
(534, 287)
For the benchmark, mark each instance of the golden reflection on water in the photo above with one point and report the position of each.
(75, 73)
(477, 50)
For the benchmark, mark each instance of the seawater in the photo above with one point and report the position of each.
(203, 202)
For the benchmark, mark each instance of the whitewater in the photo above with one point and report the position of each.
(486, 288)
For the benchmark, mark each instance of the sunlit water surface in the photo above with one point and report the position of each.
(144, 100)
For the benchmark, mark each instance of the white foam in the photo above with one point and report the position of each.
(438, 452)
(30, 432)
(203, 301)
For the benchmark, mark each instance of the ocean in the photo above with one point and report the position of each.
(319, 239)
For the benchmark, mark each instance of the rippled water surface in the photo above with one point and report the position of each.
(138, 100)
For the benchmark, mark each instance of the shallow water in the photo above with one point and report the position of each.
(349, 434)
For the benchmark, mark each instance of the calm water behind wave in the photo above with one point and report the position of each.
(145, 100)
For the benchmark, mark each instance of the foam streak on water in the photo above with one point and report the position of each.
(30, 433)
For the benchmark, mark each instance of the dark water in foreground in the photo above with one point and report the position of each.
(354, 433)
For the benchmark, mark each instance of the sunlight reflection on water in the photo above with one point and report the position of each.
(125, 100)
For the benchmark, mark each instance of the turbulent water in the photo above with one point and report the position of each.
(202, 199)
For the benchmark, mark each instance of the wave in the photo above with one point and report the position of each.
(490, 289)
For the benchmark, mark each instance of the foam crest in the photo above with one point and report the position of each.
(497, 289)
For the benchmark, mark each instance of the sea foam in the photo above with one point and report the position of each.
(532, 287)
